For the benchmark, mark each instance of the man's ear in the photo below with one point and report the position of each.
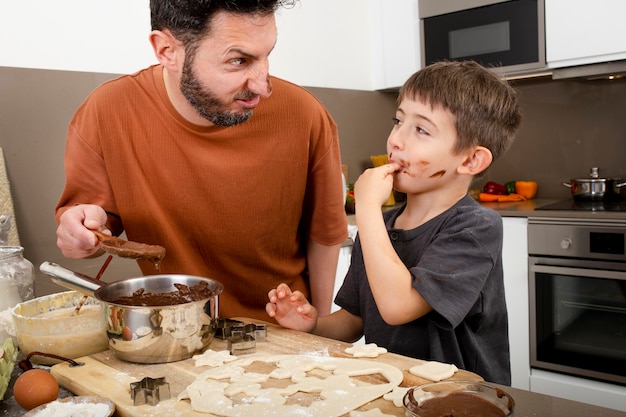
(167, 50)
(477, 160)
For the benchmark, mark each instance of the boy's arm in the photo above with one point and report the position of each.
(340, 325)
(389, 279)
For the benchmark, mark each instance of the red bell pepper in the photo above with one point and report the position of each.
(495, 188)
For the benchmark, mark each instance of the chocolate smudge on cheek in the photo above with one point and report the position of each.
(438, 174)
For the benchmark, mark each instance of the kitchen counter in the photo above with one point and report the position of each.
(284, 341)
(532, 208)
(519, 208)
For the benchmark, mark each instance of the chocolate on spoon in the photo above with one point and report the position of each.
(130, 249)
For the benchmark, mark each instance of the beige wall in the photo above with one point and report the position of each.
(568, 127)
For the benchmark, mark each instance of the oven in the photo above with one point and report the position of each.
(577, 289)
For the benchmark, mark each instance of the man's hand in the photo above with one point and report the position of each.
(74, 236)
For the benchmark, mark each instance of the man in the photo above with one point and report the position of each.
(236, 173)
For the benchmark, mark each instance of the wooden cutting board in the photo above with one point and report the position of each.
(106, 376)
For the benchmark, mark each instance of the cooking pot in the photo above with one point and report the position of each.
(149, 333)
(595, 188)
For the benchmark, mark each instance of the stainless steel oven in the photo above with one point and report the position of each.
(577, 283)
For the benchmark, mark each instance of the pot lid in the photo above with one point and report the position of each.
(594, 176)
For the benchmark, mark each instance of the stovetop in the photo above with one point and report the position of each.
(587, 206)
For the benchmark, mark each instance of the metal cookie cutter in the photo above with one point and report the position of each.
(149, 391)
(258, 331)
(240, 343)
(225, 326)
(228, 328)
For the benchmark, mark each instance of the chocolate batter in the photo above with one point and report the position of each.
(184, 294)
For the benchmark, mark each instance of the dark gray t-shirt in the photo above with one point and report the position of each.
(455, 262)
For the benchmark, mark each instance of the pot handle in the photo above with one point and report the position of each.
(70, 279)
(566, 184)
(620, 185)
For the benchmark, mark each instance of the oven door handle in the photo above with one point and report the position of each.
(581, 272)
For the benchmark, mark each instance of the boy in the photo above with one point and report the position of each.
(426, 278)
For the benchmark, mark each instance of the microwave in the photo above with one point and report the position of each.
(506, 35)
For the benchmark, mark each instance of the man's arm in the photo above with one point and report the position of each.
(322, 265)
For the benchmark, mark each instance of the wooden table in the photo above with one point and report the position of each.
(106, 376)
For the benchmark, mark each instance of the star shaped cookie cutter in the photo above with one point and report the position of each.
(149, 391)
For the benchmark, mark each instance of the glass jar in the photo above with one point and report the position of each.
(16, 277)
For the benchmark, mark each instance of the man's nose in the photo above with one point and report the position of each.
(259, 82)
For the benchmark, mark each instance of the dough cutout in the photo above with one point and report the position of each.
(213, 358)
(397, 395)
(434, 371)
(318, 386)
(370, 350)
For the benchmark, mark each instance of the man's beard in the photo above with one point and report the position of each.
(206, 104)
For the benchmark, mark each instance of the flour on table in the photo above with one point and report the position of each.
(213, 358)
(291, 385)
(434, 371)
(370, 350)
(397, 395)
(374, 412)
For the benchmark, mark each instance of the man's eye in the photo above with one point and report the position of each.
(238, 61)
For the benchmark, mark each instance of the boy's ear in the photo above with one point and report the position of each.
(476, 161)
(167, 49)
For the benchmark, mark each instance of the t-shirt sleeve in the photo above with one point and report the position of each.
(324, 204)
(87, 180)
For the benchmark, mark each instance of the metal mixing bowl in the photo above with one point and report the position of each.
(150, 333)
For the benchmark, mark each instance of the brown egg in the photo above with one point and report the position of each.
(127, 333)
(34, 388)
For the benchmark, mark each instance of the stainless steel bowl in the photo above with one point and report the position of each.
(149, 333)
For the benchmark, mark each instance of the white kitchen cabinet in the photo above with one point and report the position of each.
(70, 35)
(343, 264)
(348, 44)
(581, 32)
(515, 264)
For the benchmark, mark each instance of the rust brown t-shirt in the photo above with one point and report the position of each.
(236, 204)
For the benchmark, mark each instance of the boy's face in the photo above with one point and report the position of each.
(422, 141)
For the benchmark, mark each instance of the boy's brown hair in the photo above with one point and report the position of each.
(484, 105)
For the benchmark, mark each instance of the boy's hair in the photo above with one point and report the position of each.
(190, 20)
(485, 107)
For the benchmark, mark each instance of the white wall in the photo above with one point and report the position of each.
(325, 43)
(108, 36)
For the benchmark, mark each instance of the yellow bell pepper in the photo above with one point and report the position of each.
(528, 189)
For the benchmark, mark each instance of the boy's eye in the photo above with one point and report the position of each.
(422, 131)
(396, 121)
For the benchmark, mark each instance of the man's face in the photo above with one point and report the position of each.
(226, 75)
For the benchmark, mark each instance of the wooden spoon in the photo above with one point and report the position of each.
(130, 249)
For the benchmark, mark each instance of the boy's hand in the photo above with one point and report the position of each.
(291, 309)
(374, 185)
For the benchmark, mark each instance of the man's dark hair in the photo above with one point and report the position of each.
(189, 20)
